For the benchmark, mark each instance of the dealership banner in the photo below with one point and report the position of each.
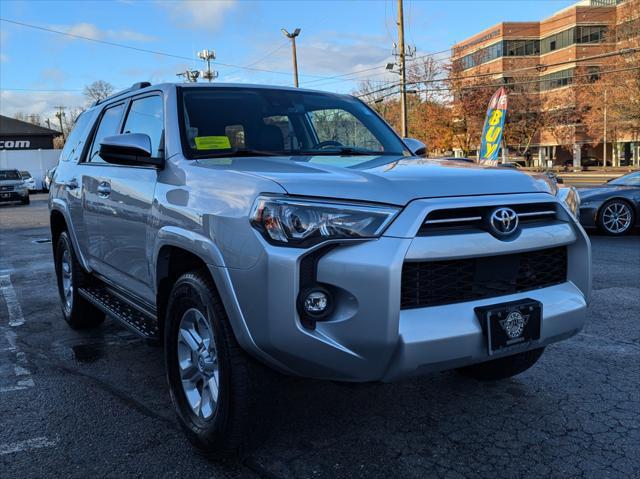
(493, 127)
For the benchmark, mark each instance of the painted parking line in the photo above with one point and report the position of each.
(13, 306)
(27, 445)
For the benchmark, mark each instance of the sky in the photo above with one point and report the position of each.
(40, 69)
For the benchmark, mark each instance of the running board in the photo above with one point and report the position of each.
(114, 305)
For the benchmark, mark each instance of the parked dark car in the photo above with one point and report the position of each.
(613, 207)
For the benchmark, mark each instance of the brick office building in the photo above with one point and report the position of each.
(519, 52)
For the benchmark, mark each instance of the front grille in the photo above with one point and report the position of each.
(438, 221)
(6, 188)
(432, 283)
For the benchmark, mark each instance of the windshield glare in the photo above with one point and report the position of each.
(241, 122)
(632, 179)
(9, 175)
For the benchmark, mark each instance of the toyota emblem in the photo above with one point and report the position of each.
(503, 221)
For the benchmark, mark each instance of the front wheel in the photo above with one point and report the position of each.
(25, 201)
(502, 368)
(212, 381)
(616, 218)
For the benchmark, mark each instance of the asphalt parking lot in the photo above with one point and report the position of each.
(81, 404)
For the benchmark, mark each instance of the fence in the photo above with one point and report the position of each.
(36, 162)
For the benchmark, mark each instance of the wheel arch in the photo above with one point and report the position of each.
(635, 208)
(59, 221)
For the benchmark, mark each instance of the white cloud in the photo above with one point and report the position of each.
(89, 30)
(39, 103)
(198, 13)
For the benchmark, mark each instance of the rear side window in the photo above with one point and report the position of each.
(75, 140)
(145, 116)
(109, 125)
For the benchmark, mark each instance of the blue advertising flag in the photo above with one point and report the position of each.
(494, 127)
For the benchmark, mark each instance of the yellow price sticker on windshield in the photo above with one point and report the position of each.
(212, 143)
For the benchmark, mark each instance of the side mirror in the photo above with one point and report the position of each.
(129, 149)
(416, 146)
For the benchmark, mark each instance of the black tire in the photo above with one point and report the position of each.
(26, 201)
(502, 368)
(609, 228)
(231, 427)
(78, 313)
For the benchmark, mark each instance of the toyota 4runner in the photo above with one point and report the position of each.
(250, 226)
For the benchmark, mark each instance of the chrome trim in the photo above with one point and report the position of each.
(537, 213)
(453, 220)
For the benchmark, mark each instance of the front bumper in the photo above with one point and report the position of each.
(13, 195)
(368, 336)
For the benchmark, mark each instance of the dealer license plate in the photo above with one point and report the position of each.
(510, 325)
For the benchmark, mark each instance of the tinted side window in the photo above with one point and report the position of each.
(75, 140)
(145, 116)
(109, 124)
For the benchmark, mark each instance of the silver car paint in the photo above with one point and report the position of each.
(203, 206)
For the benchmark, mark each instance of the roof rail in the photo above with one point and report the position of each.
(134, 87)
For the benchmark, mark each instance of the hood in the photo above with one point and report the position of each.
(11, 182)
(606, 189)
(383, 179)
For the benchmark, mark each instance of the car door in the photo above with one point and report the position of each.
(69, 178)
(93, 174)
(126, 194)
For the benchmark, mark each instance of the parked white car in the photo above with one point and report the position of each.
(29, 180)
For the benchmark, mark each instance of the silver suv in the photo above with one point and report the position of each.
(251, 226)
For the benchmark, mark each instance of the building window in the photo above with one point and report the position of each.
(556, 79)
(579, 34)
(521, 48)
(593, 74)
(507, 48)
(591, 34)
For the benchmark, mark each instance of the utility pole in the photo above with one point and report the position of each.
(207, 56)
(604, 142)
(292, 37)
(60, 115)
(190, 76)
(403, 73)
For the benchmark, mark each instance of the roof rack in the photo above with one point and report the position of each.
(134, 87)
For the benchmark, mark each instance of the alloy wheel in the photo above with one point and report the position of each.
(616, 217)
(198, 363)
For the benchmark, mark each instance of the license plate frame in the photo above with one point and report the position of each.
(510, 325)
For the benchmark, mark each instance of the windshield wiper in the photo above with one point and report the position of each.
(240, 152)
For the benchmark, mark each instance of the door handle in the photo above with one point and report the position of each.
(71, 184)
(104, 189)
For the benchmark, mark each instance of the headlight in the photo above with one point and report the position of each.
(570, 198)
(302, 223)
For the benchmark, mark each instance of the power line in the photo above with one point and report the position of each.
(149, 51)
(496, 85)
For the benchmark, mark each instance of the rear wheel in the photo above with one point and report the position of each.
(616, 217)
(77, 311)
(212, 381)
(502, 368)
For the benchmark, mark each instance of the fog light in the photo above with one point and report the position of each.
(316, 303)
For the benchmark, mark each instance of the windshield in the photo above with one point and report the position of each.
(25, 175)
(262, 122)
(9, 175)
(632, 179)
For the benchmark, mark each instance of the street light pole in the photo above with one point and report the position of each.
(292, 37)
(403, 73)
